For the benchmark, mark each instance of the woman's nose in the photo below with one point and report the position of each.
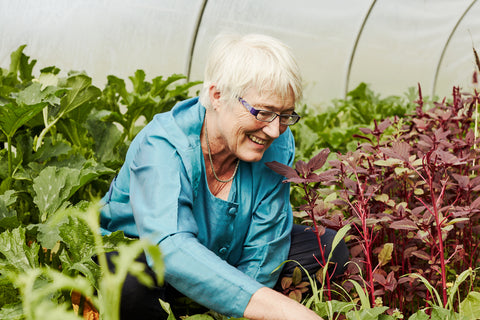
(272, 129)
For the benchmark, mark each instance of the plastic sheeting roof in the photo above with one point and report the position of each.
(390, 44)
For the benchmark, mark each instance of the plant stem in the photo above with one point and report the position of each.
(10, 165)
(438, 223)
(368, 247)
(476, 125)
(45, 130)
(110, 289)
(320, 246)
(362, 212)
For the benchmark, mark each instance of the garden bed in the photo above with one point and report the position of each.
(396, 176)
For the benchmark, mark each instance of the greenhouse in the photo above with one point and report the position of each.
(392, 45)
(385, 153)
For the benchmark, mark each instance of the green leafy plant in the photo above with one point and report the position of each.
(45, 292)
(293, 286)
(59, 148)
(407, 187)
(145, 100)
(468, 308)
(334, 128)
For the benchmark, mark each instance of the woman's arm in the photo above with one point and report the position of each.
(268, 304)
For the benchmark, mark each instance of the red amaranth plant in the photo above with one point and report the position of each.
(304, 175)
(416, 188)
(411, 192)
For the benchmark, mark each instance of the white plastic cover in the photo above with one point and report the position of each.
(390, 44)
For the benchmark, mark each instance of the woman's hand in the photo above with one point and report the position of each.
(268, 304)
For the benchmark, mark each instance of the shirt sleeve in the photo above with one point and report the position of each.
(162, 200)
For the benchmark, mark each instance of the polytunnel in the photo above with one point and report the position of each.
(391, 45)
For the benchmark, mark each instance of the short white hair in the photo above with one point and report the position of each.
(238, 63)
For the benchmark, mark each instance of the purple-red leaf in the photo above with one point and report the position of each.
(421, 254)
(440, 134)
(366, 130)
(286, 282)
(301, 168)
(339, 202)
(419, 123)
(448, 157)
(380, 278)
(323, 176)
(399, 150)
(318, 161)
(475, 204)
(404, 224)
(296, 180)
(362, 137)
(463, 181)
(384, 125)
(426, 140)
(282, 169)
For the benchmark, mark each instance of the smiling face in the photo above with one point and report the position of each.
(240, 133)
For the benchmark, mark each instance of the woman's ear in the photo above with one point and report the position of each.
(215, 96)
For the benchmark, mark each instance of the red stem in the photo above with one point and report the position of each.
(361, 210)
(439, 234)
(320, 246)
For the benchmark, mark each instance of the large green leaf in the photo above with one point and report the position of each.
(8, 293)
(419, 315)
(18, 255)
(138, 81)
(113, 240)
(54, 186)
(439, 313)
(106, 136)
(12, 116)
(40, 293)
(12, 312)
(3, 164)
(48, 234)
(366, 314)
(75, 131)
(35, 94)
(8, 216)
(51, 188)
(19, 64)
(81, 92)
(50, 150)
(470, 306)
(78, 237)
(325, 308)
(15, 59)
(159, 86)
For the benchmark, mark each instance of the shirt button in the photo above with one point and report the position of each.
(232, 211)
(222, 250)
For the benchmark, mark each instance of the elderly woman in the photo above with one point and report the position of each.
(195, 183)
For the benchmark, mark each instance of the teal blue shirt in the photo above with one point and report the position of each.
(216, 252)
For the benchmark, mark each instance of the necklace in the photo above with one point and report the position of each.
(211, 161)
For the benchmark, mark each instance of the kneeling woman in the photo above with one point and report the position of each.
(195, 183)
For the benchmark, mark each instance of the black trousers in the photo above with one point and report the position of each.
(141, 302)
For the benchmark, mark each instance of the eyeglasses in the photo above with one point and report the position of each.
(269, 116)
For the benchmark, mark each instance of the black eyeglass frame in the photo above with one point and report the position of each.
(291, 118)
